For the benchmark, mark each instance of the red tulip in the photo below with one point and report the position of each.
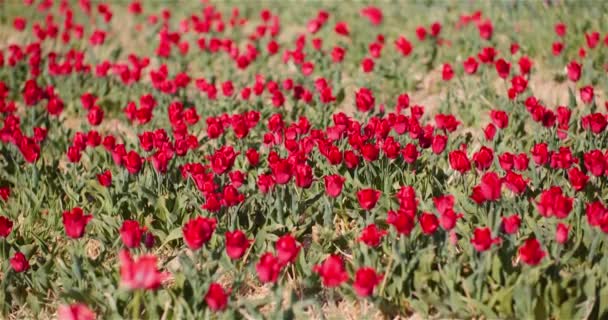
(77, 311)
(483, 158)
(236, 244)
(268, 268)
(131, 233)
(482, 239)
(366, 279)
(331, 271)
(19, 262)
(371, 235)
(561, 233)
(333, 185)
(531, 253)
(448, 218)
(443, 203)
(216, 297)
(75, 222)
(553, 202)
(511, 224)
(287, 249)
(368, 198)
(6, 226)
(141, 273)
(596, 213)
(447, 73)
(499, 118)
(198, 231)
(105, 178)
(574, 71)
(364, 99)
(402, 221)
(459, 161)
(429, 223)
(470, 65)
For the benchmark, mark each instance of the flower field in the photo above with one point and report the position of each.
(286, 160)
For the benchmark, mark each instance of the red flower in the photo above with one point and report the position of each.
(367, 65)
(587, 94)
(429, 223)
(303, 175)
(373, 14)
(578, 179)
(488, 189)
(281, 171)
(525, 65)
(216, 297)
(574, 71)
(596, 122)
(531, 253)
(366, 279)
(130, 233)
(287, 249)
(489, 131)
(595, 162)
(105, 178)
(447, 122)
(483, 158)
(515, 182)
(370, 152)
(443, 203)
(198, 231)
(19, 23)
(253, 157)
(511, 224)
(596, 213)
(132, 162)
(448, 219)
(553, 202)
(333, 185)
(368, 198)
(268, 268)
(141, 273)
(337, 54)
(6, 226)
(470, 65)
(222, 160)
(410, 153)
(502, 68)
(447, 73)
(402, 221)
(371, 235)
(403, 45)
(364, 99)
(332, 271)
(76, 311)
(561, 233)
(459, 161)
(499, 118)
(540, 153)
(95, 116)
(19, 262)
(482, 239)
(560, 29)
(439, 144)
(74, 222)
(435, 29)
(557, 48)
(342, 28)
(236, 244)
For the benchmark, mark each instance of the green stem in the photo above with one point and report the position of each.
(136, 305)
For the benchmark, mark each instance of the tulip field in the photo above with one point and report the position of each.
(303, 160)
